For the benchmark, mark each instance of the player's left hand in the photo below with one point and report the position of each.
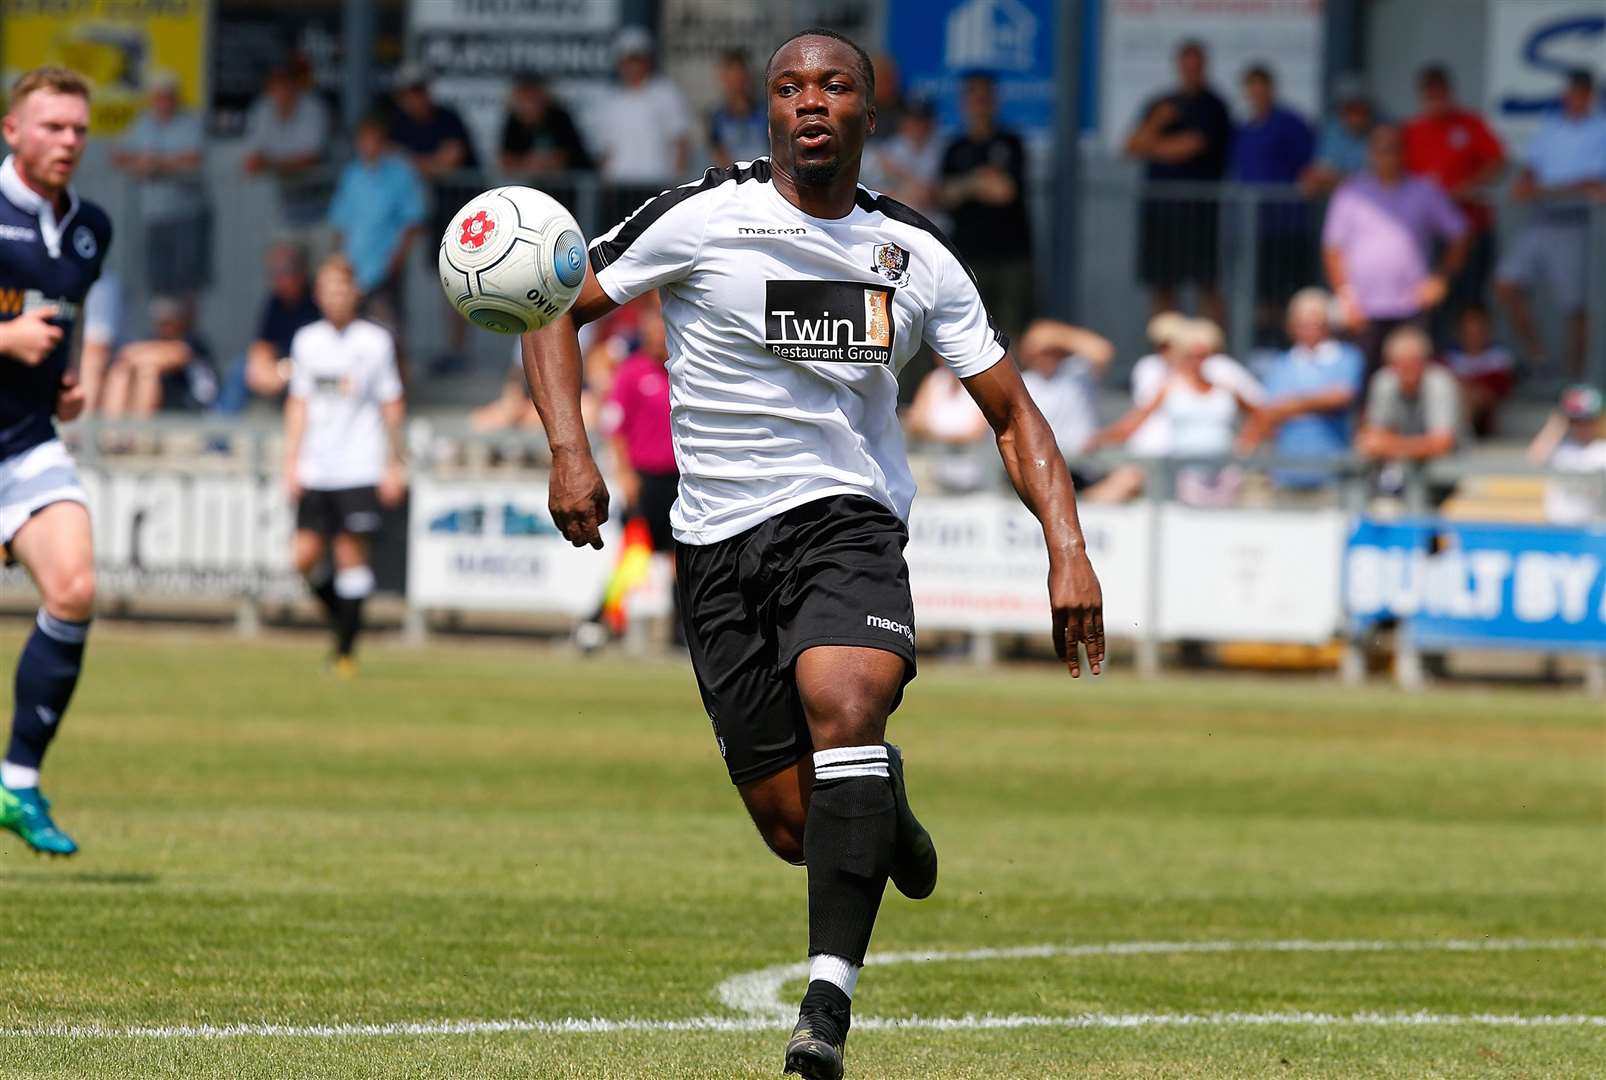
(1078, 604)
(393, 486)
(70, 400)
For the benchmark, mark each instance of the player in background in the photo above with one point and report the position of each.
(792, 296)
(343, 449)
(52, 245)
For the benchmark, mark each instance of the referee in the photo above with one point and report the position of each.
(792, 296)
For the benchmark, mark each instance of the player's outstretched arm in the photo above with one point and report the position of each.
(577, 495)
(1038, 472)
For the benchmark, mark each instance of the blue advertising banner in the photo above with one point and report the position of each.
(1509, 586)
(938, 41)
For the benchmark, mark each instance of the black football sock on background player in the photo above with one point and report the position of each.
(47, 672)
(352, 586)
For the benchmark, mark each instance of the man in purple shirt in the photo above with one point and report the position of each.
(1274, 146)
(1380, 228)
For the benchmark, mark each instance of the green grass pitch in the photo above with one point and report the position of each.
(487, 832)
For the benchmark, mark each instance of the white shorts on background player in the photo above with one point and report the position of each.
(786, 335)
(33, 480)
(345, 377)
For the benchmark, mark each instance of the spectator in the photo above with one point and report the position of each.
(890, 99)
(511, 409)
(944, 413)
(1565, 170)
(437, 142)
(161, 152)
(377, 212)
(739, 126)
(1454, 147)
(103, 332)
(538, 136)
(1061, 365)
(643, 134)
(984, 187)
(1149, 375)
(1201, 417)
(1184, 135)
(1486, 370)
(1413, 406)
(1571, 443)
(1341, 152)
(908, 166)
(287, 134)
(1376, 242)
(171, 370)
(1310, 392)
(636, 420)
(1274, 146)
(264, 367)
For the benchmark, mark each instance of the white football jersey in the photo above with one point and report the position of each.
(344, 377)
(786, 335)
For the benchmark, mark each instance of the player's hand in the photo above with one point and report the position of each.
(31, 336)
(393, 486)
(292, 482)
(578, 497)
(1078, 603)
(70, 400)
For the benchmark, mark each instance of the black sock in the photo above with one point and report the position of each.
(47, 672)
(324, 590)
(348, 624)
(847, 843)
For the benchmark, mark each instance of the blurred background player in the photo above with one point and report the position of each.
(55, 243)
(343, 449)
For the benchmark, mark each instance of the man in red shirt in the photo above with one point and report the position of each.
(1454, 146)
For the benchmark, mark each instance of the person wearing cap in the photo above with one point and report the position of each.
(286, 134)
(908, 166)
(161, 152)
(1341, 149)
(1564, 172)
(643, 134)
(1572, 444)
(170, 370)
(738, 127)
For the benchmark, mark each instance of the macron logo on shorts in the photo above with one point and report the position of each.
(887, 624)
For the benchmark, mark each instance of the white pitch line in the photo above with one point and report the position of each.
(986, 1022)
(757, 993)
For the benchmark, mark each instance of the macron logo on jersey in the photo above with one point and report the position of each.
(832, 322)
(754, 230)
(879, 623)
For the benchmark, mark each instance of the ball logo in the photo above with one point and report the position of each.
(83, 242)
(569, 258)
(475, 230)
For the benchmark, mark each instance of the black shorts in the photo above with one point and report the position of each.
(829, 572)
(1179, 241)
(657, 497)
(341, 510)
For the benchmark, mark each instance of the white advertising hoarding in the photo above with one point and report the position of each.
(1532, 45)
(1141, 36)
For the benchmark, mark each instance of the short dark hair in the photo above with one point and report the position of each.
(1259, 71)
(1192, 44)
(866, 65)
(1582, 77)
(978, 75)
(374, 120)
(530, 80)
(1435, 75)
(733, 56)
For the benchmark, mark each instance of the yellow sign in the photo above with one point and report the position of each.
(123, 46)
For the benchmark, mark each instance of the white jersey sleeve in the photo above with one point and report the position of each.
(656, 245)
(958, 328)
(387, 377)
(301, 378)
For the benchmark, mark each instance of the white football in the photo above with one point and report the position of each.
(512, 260)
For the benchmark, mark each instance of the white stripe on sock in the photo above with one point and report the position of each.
(842, 772)
(844, 754)
(836, 970)
(68, 633)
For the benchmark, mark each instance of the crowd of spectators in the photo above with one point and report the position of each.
(1378, 274)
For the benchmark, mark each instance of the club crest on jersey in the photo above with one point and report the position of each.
(83, 242)
(831, 322)
(891, 262)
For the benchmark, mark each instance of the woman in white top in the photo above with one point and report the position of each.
(1199, 410)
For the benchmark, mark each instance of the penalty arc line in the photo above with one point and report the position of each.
(755, 995)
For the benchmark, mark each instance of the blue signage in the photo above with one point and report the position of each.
(1507, 586)
(937, 42)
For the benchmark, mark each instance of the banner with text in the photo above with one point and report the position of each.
(1533, 44)
(1513, 586)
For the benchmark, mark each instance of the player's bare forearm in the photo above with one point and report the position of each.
(395, 415)
(578, 497)
(1038, 472)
